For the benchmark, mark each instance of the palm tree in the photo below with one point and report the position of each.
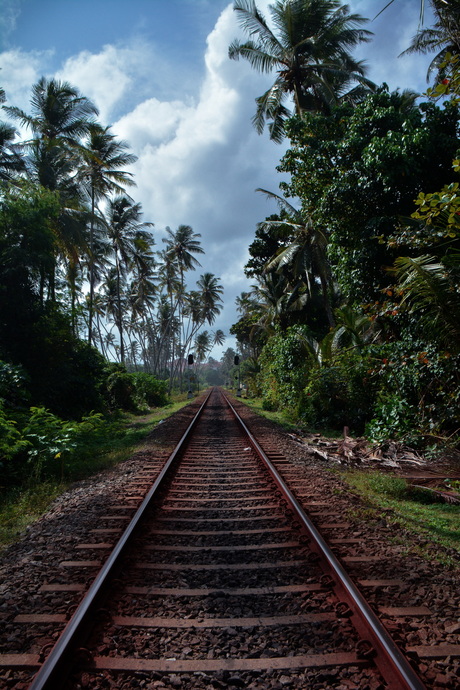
(59, 112)
(11, 161)
(59, 117)
(113, 301)
(430, 289)
(203, 344)
(442, 38)
(210, 293)
(124, 228)
(218, 337)
(180, 247)
(271, 301)
(305, 257)
(310, 53)
(102, 160)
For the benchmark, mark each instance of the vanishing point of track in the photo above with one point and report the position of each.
(218, 549)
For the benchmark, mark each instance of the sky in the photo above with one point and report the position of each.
(159, 72)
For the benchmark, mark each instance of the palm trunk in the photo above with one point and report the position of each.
(91, 269)
(326, 302)
(119, 314)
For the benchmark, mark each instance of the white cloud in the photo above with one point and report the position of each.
(102, 77)
(19, 71)
(108, 76)
(200, 161)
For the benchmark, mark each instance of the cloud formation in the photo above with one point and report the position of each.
(200, 162)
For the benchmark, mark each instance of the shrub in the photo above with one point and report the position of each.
(149, 390)
(14, 385)
(120, 388)
(133, 391)
(393, 418)
(342, 394)
(420, 391)
(52, 439)
(284, 367)
(12, 446)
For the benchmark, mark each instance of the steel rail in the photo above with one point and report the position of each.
(62, 657)
(392, 664)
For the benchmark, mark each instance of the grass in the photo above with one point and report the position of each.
(413, 509)
(284, 419)
(22, 505)
(276, 416)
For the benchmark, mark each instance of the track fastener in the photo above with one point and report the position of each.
(343, 610)
(327, 582)
(365, 649)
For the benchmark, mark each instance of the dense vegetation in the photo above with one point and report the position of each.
(354, 316)
(93, 319)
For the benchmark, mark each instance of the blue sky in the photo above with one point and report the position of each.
(159, 73)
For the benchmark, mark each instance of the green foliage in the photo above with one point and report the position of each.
(120, 388)
(284, 363)
(52, 439)
(133, 391)
(358, 171)
(450, 84)
(13, 385)
(342, 393)
(393, 418)
(419, 391)
(12, 442)
(149, 390)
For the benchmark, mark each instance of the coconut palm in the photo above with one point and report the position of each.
(11, 162)
(101, 173)
(181, 245)
(310, 52)
(305, 256)
(211, 300)
(60, 116)
(124, 226)
(202, 345)
(442, 38)
(430, 289)
(271, 302)
(218, 337)
(59, 112)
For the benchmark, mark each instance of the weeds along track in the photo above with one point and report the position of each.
(208, 573)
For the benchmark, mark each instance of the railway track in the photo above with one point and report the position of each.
(220, 579)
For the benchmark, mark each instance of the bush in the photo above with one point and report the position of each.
(342, 394)
(120, 388)
(14, 385)
(284, 368)
(420, 391)
(12, 445)
(52, 439)
(393, 418)
(133, 391)
(149, 390)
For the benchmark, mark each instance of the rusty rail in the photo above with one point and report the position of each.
(62, 656)
(377, 643)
